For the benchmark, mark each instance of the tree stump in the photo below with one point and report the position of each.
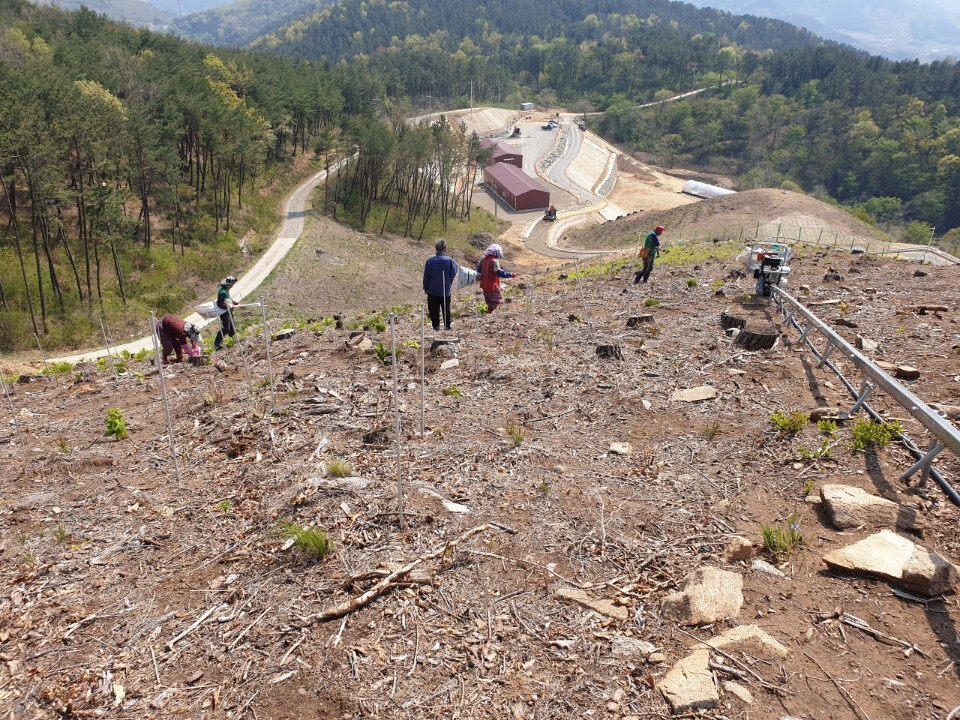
(728, 320)
(637, 319)
(610, 351)
(756, 339)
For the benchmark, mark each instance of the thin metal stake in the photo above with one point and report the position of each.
(113, 366)
(583, 300)
(266, 339)
(163, 389)
(43, 358)
(396, 417)
(13, 412)
(423, 340)
(243, 355)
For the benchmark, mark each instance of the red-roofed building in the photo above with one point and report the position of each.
(520, 190)
(503, 152)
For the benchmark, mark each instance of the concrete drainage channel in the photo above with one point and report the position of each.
(945, 435)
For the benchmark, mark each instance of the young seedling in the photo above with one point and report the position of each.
(781, 542)
(711, 430)
(116, 425)
(312, 542)
(339, 469)
(515, 432)
(827, 427)
(789, 423)
(454, 392)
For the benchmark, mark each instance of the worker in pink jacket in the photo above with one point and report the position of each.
(490, 273)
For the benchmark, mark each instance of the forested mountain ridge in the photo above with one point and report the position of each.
(876, 134)
(240, 23)
(132, 161)
(348, 28)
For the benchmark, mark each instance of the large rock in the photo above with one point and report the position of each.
(697, 394)
(708, 594)
(850, 507)
(632, 648)
(897, 559)
(689, 684)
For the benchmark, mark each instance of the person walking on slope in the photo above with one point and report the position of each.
(226, 304)
(650, 250)
(177, 335)
(439, 272)
(490, 273)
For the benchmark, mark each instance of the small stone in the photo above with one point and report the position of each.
(885, 366)
(631, 648)
(805, 289)
(707, 595)
(221, 365)
(738, 548)
(696, 394)
(867, 345)
(765, 567)
(827, 412)
(620, 448)
(656, 658)
(736, 371)
(603, 607)
(284, 334)
(832, 277)
(907, 372)
(847, 323)
(952, 412)
(920, 273)
(747, 637)
(738, 691)
(646, 403)
(689, 684)
(451, 363)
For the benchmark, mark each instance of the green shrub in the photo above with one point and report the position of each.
(454, 392)
(867, 432)
(691, 283)
(827, 427)
(651, 302)
(56, 369)
(789, 423)
(116, 425)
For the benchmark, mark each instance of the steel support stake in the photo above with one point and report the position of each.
(924, 464)
(865, 391)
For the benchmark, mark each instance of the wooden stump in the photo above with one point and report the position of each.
(756, 339)
(728, 320)
(637, 319)
(610, 351)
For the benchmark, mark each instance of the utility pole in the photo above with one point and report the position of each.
(471, 94)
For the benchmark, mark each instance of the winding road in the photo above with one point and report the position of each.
(295, 210)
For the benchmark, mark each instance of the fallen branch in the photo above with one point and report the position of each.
(843, 691)
(381, 587)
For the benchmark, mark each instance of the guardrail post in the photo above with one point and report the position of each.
(865, 391)
(924, 464)
(826, 353)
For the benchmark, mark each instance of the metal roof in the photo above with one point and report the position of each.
(514, 179)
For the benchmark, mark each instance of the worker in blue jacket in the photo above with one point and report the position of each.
(438, 275)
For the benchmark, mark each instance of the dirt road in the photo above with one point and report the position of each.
(290, 231)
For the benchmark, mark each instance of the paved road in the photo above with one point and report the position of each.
(295, 210)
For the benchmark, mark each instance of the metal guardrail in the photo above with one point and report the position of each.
(946, 434)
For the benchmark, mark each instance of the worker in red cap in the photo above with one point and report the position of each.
(650, 249)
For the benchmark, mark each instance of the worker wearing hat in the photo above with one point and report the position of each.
(177, 335)
(649, 251)
(226, 304)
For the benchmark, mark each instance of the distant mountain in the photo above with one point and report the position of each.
(898, 29)
(135, 12)
(241, 22)
(179, 8)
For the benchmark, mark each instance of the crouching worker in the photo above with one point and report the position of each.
(177, 335)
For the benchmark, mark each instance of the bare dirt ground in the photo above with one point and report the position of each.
(128, 594)
(766, 209)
